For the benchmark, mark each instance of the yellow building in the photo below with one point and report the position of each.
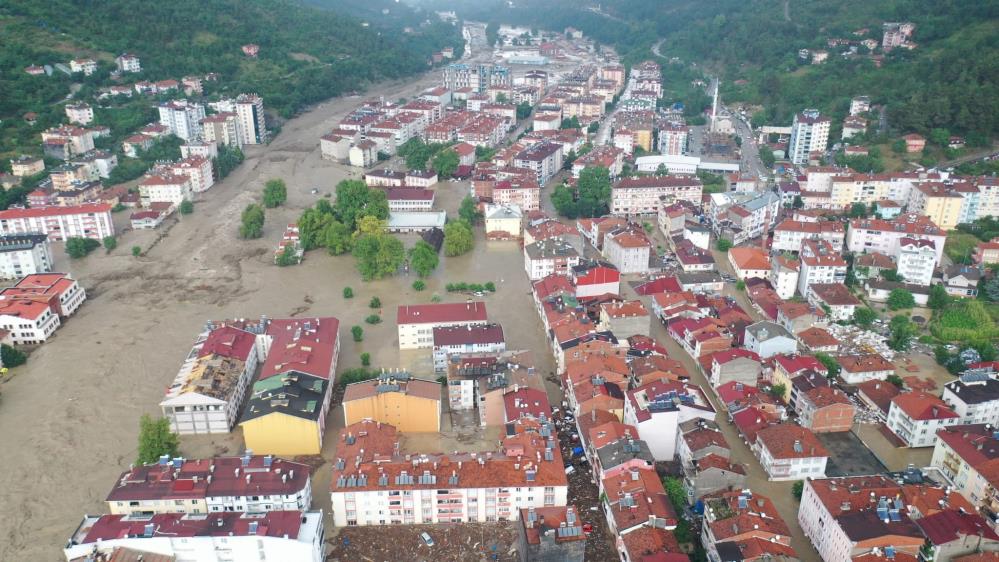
(937, 201)
(411, 405)
(286, 415)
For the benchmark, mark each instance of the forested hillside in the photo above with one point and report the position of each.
(307, 53)
(950, 80)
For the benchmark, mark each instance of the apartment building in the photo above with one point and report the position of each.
(646, 195)
(80, 113)
(862, 367)
(165, 188)
(790, 452)
(975, 398)
(250, 119)
(825, 409)
(459, 340)
(26, 166)
(416, 323)
(916, 416)
(767, 339)
(381, 485)
(24, 254)
(657, 409)
(673, 139)
(551, 533)
(836, 298)
(292, 536)
(182, 118)
(820, 263)
(550, 256)
(809, 133)
(916, 260)
(790, 234)
(86, 66)
(967, 455)
(408, 404)
(938, 201)
(884, 237)
(629, 250)
(27, 322)
(737, 518)
(91, 220)
(251, 483)
(625, 319)
(222, 128)
(208, 391)
(544, 159)
(783, 276)
(127, 62)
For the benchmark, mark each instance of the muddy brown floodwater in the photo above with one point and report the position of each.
(69, 418)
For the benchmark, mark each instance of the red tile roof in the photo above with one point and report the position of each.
(951, 525)
(271, 524)
(228, 341)
(919, 405)
(89, 208)
(781, 439)
(442, 313)
(307, 345)
(468, 334)
(529, 402)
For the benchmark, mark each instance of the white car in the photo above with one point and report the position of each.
(427, 540)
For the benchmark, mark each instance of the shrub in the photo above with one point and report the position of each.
(375, 303)
(12, 357)
(110, 243)
(419, 285)
(964, 320)
(136, 251)
(723, 245)
(491, 287)
(358, 333)
(78, 247)
(186, 207)
(348, 293)
(365, 359)
(435, 298)
(156, 440)
(373, 319)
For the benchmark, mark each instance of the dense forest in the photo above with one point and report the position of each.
(307, 53)
(950, 80)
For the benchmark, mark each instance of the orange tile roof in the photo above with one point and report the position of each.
(780, 440)
(749, 258)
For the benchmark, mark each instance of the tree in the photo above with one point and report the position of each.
(136, 251)
(594, 192)
(423, 258)
(676, 492)
(351, 198)
(357, 332)
(275, 193)
(895, 380)
(939, 298)
(767, 157)
(723, 245)
(797, 489)
(740, 285)
(12, 357)
(419, 285)
(524, 110)
(858, 210)
(468, 211)
(252, 222)
(156, 440)
(337, 238)
(365, 359)
(78, 247)
(832, 367)
(593, 127)
(287, 257)
(458, 238)
(110, 243)
(864, 317)
(373, 319)
(446, 162)
(186, 207)
(902, 331)
(892, 275)
(348, 293)
(777, 390)
(228, 158)
(490, 286)
(378, 255)
(369, 225)
(571, 123)
(900, 299)
(375, 302)
(898, 147)
(564, 202)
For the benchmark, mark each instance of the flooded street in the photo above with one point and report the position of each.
(69, 418)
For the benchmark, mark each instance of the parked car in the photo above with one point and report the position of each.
(427, 540)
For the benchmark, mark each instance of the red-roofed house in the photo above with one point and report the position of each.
(916, 416)
(825, 409)
(452, 340)
(749, 263)
(526, 402)
(790, 452)
(625, 319)
(954, 533)
(596, 278)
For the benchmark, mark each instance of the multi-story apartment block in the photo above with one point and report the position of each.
(80, 113)
(67, 141)
(408, 404)
(967, 455)
(916, 416)
(26, 166)
(86, 66)
(673, 139)
(550, 256)
(544, 159)
(628, 249)
(809, 133)
(256, 484)
(940, 202)
(92, 220)
(646, 195)
(916, 259)
(790, 452)
(884, 237)
(222, 129)
(28, 322)
(860, 104)
(789, 234)
(658, 408)
(975, 398)
(374, 483)
(416, 323)
(454, 340)
(165, 188)
(24, 254)
(197, 169)
(737, 519)
(127, 62)
(208, 391)
(784, 276)
(182, 118)
(479, 77)
(820, 263)
(292, 536)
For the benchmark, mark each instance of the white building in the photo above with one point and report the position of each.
(790, 452)
(452, 340)
(544, 159)
(208, 391)
(658, 408)
(92, 220)
(789, 234)
(252, 128)
(860, 104)
(86, 66)
(964, 453)
(552, 255)
(916, 416)
(916, 260)
(820, 263)
(646, 195)
(628, 251)
(503, 220)
(289, 536)
(28, 322)
(416, 323)
(182, 118)
(884, 237)
(79, 113)
(809, 133)
(767, 339)
(165, 188)
(127, 62)
(784, 276)
(975, 398)
(24, 254)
